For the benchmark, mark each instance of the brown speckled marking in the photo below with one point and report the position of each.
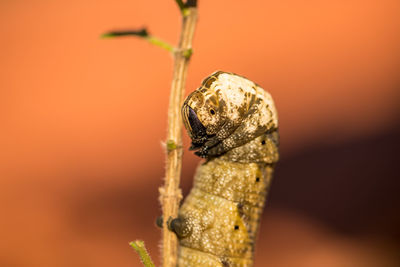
(219, 219)
(225, 263)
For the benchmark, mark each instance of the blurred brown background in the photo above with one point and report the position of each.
(82, 120)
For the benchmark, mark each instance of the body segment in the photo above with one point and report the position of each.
(233, 124)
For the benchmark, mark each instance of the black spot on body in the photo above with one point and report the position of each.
(236, 227)
(225, 263)
(257, 179)
(263, 142)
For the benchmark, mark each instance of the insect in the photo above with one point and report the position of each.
(233, 124)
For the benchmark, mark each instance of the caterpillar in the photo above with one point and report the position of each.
(233, 124)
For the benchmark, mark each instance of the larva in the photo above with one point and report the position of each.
(233, 124)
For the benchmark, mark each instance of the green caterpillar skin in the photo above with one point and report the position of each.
(233, 124)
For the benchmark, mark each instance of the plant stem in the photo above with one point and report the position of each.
(180, 4)
(142, 33)
(170, 194)
(158, 42)
(138, 245)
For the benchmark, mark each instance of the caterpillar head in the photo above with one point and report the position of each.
(227, 111)
(202, 115)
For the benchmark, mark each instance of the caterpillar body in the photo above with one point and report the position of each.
(233, 125)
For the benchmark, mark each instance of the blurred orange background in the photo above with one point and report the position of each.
(82, 120)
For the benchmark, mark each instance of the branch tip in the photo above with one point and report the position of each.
(138, 246)
(180, 4)
(191, 3)
(184, 7)
(140, 33)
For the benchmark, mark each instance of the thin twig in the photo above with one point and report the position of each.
(142, 33)
(180, 4)
(138, 245)
(170, 194)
